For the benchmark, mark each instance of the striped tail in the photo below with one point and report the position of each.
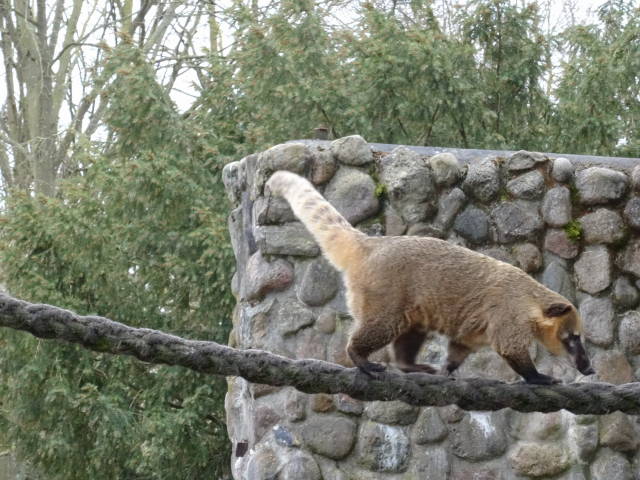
(340, 242)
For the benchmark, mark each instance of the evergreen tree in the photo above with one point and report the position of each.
(139, 235)
(599, 93)
(137, 231)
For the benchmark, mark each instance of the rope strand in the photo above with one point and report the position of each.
(312, 376)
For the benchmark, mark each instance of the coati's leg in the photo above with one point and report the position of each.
(524, 366)
(406, 348)
(369, 336)
(512, 339)
(457, 354)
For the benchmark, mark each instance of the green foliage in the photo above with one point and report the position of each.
(503, 195)
(573, 229)
(482, 77)
(404, 87)
(285, 73)
(511, 47)
(139, 233)
(139, 237)
(396, 72)
(599, 93)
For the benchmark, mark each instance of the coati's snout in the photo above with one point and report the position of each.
(561, 331)
(573, 345)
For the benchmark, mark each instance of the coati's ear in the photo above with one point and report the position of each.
(557, 309)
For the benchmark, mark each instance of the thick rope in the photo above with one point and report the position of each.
(312, 376)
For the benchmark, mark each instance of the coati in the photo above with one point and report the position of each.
(399, 288)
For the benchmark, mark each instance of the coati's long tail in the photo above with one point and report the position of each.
(340, 242)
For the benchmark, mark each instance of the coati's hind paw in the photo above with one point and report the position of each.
(417, 367)
(542, 379)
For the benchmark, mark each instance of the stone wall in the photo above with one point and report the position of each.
(572, 224)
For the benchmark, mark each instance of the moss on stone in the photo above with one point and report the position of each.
(503, 195)
(574, 194)
(381, 188)
(573, 229)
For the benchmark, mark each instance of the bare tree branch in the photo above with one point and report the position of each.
(52, 52)
(311, 376)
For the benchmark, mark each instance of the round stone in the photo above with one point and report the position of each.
(593, 269)
(499, 253)
(294, 157)
(629, 259)
(446, 168)
(528, 257)
(262, 464)
(432, 464)
(300, 465)
(479, 436)
(483, 180)
(292, 316)
(352, 150)
(598, 185)
(409, 184)
(611, 465)
(353, 193)
(625, 294)
(383, 448)
(448, 207)
(562, 170)
(272, 210)
(556, 207)
(630, 333)
(517, 220)
(528, 186)
(262, 276)
(612, 366)
(234, 179)
(331, 436)
(472, 224)
(323, 166)
(345, 404)
(295, 405)
(635, 178)
(556, 278)
(597, 315)
(319, 284)
(632, 213)
(429, 427)
(287, 239)
(326, 322)
(602, 226)
(558, 242)
(539, 459)
(394, 412)
(617, 432)
(524, 160)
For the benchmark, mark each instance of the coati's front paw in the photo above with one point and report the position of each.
(371, 368)
(542, 379)
(448, 369)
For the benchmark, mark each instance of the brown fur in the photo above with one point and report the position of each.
(400, 288)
